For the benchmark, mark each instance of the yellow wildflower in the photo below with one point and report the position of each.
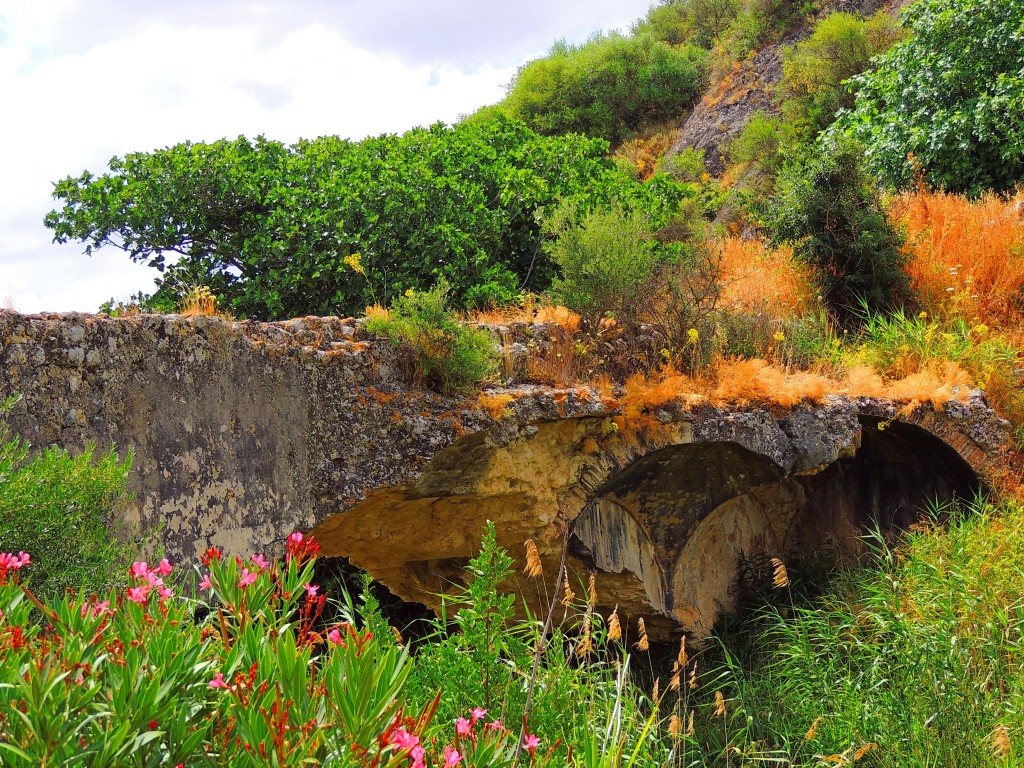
(355, 262)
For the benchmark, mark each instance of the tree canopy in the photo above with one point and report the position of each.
(329, 225)
(952, 95)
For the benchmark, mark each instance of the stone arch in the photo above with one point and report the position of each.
(666, 517)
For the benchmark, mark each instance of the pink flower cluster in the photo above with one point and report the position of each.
(410, 742)
(99, 608)
(464, 727)
(9, 562)
(150, 579)
(300, 547)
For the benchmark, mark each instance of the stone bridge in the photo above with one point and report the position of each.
(243, 432)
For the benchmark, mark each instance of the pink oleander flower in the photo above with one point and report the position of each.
(451, 757)
(139, 569)
(403, 739)
(164, 568)
(164, 592)
(260, 562)
(218, 681)
(101, 608)
(205, 583)
(478, 715)
(9, 562)
(295, 539)
(496, 725)
(463, 727)
(247, 578)
(139, 594)
(418, 756)
(531, 742)
(311, 589)
(335, 637)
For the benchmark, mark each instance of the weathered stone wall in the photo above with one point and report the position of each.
(243, 432)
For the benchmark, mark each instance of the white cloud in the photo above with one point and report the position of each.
(83, 81)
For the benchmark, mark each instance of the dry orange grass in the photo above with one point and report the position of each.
(645, 153)
(561, 316)
(966, 257)
(495, 404)
(377, 312)
(198, 300)
(756, 278)
(742, 382)
(499, 315)
(557, 363)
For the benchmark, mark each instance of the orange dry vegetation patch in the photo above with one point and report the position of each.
(965, 257)
(494, 404)
(742, 382)
(644, 153)
(756, 278)
(499, 315)
(561, 316)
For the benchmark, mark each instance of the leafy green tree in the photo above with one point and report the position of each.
(952, 95)
(815, 70)
(830, 210)
(328, 225)
(610, 86)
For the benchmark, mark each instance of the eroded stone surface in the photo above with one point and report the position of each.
(243, 432)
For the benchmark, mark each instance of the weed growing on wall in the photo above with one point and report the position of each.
(440, 352)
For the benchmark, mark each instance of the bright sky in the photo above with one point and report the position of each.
(84, 80)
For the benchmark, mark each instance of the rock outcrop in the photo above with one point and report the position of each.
(243, 432)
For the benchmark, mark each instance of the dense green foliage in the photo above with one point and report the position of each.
(610, 86)
(951, 94)
(267, 227)
(829, 208)
(815, 70)
(59, 507)
(440, 351)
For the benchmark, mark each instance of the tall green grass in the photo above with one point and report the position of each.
(916, 659)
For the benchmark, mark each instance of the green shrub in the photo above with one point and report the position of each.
(762, 145)
(830, 210)
(442, 352)
(815, 70)
(607, 260)
(699, 22)
(687, 165)
(951, 95)
(61, 508)
(610, 86)
(763, 22)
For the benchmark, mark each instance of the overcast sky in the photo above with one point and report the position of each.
(84, 80)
